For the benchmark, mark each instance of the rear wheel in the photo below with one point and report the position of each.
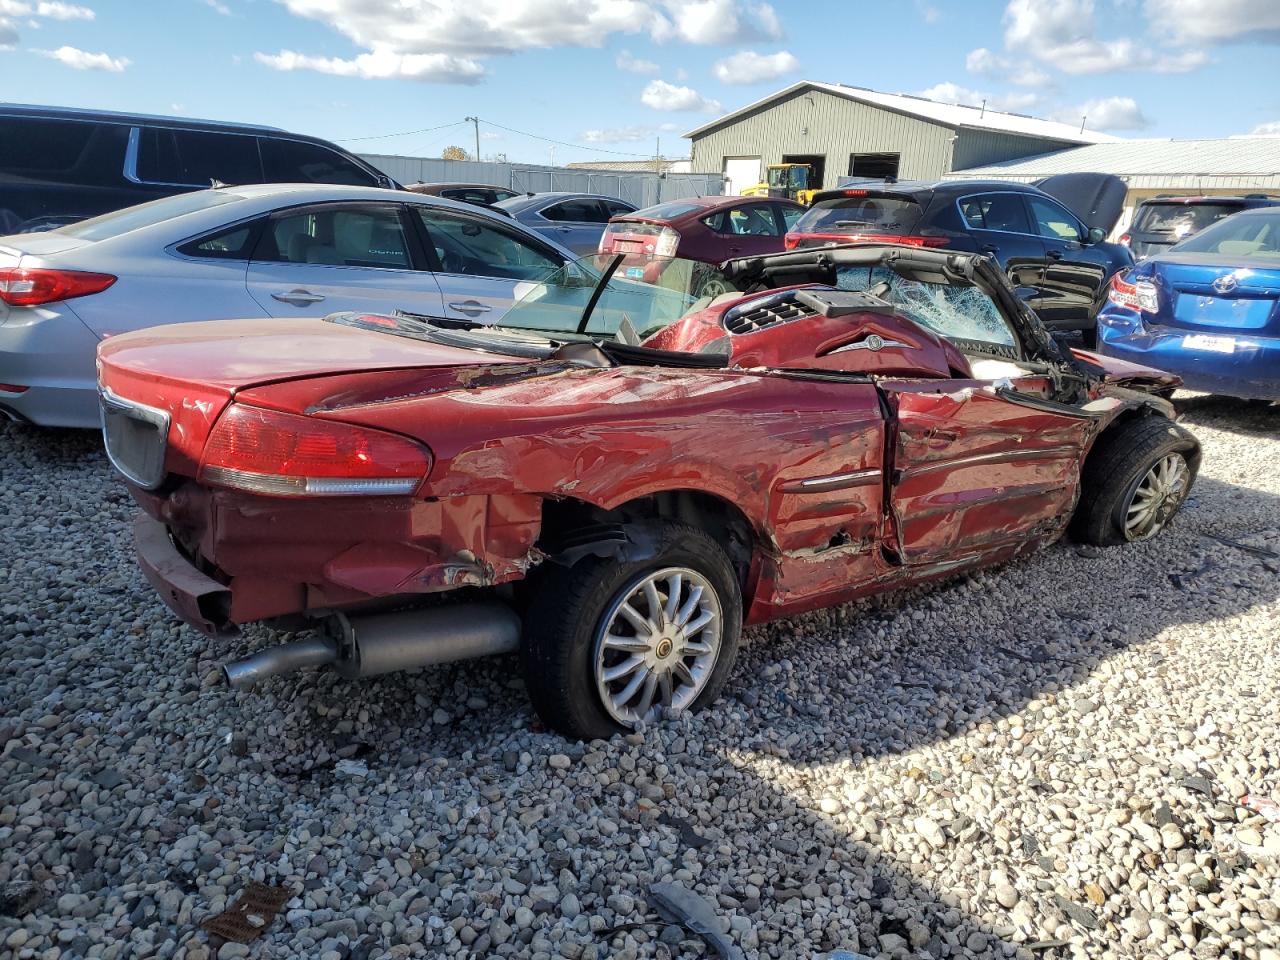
(1136, 479)
(609, 643)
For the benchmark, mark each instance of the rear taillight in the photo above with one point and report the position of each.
(30, 287)
(793, 240)
(666, 243)
(1139, 295)
(280, 454)
(1125, 239)
(606, 240)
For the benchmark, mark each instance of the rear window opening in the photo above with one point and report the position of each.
(882, 214)
(667, 211)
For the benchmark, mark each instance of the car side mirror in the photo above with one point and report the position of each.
(1096, 235)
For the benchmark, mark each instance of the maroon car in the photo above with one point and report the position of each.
(619, 475)
(709, 229)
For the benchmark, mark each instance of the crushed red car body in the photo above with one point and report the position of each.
(793, 444)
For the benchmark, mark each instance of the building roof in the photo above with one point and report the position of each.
(956, 116)
(1144, 164)
(623, 166)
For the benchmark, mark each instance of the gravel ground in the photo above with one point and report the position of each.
(1038, 761)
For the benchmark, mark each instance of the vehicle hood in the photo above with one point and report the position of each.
(1096, 198)
(1122, 373)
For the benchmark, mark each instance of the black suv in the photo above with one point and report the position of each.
(1161, 222)
(58, 165)
(1058, 259)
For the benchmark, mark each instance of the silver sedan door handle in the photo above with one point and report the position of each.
(470, 306)
(298, 297)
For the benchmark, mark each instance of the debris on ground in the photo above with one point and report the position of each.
(675, 904)
(250, 916)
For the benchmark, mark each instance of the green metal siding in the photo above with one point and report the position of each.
(974, 148)
(836, 127)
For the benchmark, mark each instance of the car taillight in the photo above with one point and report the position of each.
(666, 243)
(280, 454)
(30, 287)
(606, 240)
(1139, 295)
(1125, 239)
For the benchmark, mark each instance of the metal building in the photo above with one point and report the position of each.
(1152, 168)
(851, 131)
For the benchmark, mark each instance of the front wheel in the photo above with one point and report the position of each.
(609, 643)
(1136, 479)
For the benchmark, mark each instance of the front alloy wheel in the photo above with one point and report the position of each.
(1156, 497)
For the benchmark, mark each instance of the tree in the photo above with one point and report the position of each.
(455, 153)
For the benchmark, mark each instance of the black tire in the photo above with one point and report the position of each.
(1119, 461)
(566, 610)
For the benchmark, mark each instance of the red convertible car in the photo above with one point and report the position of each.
(620, 476)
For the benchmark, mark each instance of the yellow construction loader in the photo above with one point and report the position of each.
(790, 180)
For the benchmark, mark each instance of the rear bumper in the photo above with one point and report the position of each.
(1251, 371)
(197, 599)
(51, 353)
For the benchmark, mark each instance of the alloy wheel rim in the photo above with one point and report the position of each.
(657, 644)
(1156, 497)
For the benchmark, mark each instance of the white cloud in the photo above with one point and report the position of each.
(751, 67)
(63, 11)
(983, 61)
(8, 34)
(948, 92)
(1106, 113)
(619, 135)
(660, 95)
(218, 7)
(381, 64)
(929, 14)
(471, 30)
(1215, 21)
(83, 60)
(1271, 129)
(632, 64)
(1061, 34)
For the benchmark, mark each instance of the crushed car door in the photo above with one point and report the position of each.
(978, 465)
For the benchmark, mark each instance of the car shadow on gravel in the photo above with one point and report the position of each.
(1245, 417)
(857, 724)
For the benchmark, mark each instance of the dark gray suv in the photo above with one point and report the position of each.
(59, 165)
(1161, 222)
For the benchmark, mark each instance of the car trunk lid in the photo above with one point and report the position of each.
(1218, 293)
(188, 373)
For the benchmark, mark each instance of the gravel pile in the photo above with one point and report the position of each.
(1039, 761)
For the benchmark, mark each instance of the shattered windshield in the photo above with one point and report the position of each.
(641, 296)
(959, 313)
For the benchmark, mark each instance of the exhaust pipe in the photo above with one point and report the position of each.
(365, 646)
(285, 658)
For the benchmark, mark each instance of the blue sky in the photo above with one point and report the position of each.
(609, 78)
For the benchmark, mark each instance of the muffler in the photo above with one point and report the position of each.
(365, 646)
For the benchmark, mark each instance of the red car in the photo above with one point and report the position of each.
(620, 476)
(709, 229)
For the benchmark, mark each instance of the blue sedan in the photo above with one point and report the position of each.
(1207, 310)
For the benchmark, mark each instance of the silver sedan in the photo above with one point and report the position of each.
(272, 250)
(573, 220)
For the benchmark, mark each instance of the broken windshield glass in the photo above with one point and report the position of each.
(950, 310)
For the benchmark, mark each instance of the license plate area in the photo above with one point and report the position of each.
(135, 437)
(1210, 344)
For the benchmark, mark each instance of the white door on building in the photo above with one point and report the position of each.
(741, 172)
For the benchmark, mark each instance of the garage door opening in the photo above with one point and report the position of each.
(817, 166)
(874, 166)
(741, 173)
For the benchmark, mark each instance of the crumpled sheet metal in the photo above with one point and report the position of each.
(250, 916)
(695, 914)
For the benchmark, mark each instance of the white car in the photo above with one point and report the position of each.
(270, 250)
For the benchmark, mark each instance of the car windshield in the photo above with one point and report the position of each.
(858, 213)
(962, 314)
(629, 298)
(147, 214)
(1245, 235)
(1181, 219)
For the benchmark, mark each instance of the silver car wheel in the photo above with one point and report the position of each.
(657, 644)
(1156, 497)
